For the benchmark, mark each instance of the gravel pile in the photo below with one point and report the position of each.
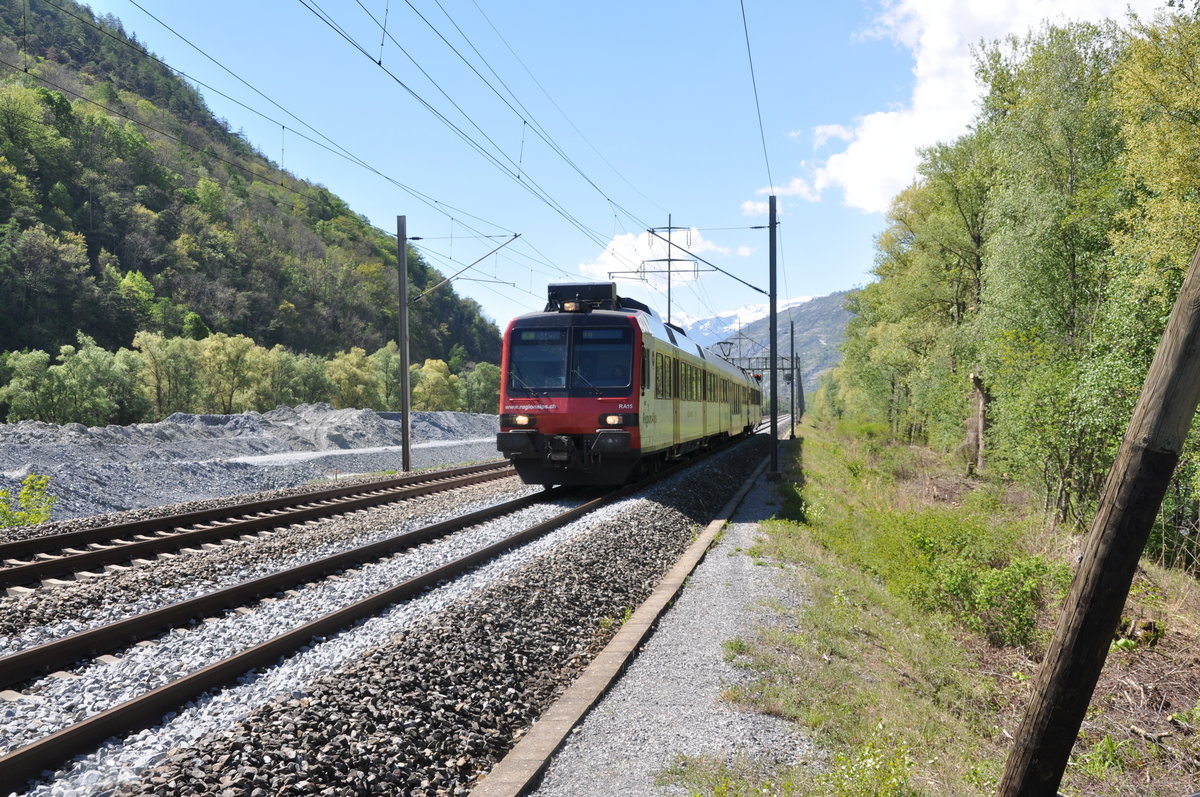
(194, 457)
(464, 671)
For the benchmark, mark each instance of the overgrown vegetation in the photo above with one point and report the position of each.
(926, 600)
(125, 207)
(226, 374)
(33, 503)
(1026, 276)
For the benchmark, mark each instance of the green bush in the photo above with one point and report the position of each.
(1000, 601)
(878, 769)
(33, 504)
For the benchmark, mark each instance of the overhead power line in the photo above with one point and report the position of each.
(708, 263)
(528, 184)
(332, 147)
(754, 83)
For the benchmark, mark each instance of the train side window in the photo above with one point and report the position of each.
(645, 370)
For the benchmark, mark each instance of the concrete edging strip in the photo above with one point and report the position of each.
(518, 771)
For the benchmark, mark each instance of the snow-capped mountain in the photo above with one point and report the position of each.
(819, 325)
(707, 331)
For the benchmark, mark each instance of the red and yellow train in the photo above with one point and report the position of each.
(597, 389)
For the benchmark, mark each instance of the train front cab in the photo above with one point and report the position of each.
(568, 402)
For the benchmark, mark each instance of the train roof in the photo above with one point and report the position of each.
(562, 297)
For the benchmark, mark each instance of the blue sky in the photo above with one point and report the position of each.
(619, 114)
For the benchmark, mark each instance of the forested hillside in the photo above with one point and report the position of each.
(1030, 270)
(126, 207)
(820, 329)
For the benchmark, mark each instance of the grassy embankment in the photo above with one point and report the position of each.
(924, 601)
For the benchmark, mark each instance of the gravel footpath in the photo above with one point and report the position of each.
(668, 703)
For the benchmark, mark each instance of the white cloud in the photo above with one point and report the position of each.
(822, 134)
(751, 208)
(797, 187)
(880, 157)
(631, 253)
(745, 251)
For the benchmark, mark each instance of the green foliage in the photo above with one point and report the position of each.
(209, 237)
(87, 385)
(172, 368)
(435, 388)
(481, 389)
(221, 374)
(880, 768)
(1000, 602)
(1104, 758)
(230, 369)
(1189, 718)
(387, 366)
(355, 384)
(1037, 259)
(33, 505)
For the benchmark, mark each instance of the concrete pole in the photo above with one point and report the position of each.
(773, 470)
(405, 387)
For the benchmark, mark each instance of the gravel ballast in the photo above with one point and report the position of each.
(464, 671)
(420, 700)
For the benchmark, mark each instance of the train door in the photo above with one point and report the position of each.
(675, 439)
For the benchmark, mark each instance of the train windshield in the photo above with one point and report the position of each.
(601, 357)
(538, 358)
(575, 361)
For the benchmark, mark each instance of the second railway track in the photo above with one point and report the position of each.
(147, 708)
(62, 555)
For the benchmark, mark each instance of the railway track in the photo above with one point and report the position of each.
(146, 710)
(33, 560)
(27, 761)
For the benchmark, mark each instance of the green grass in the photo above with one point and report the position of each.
(925, 601)
(871, 664)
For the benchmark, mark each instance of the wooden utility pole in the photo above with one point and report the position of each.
(405, 387)
(1130, 501)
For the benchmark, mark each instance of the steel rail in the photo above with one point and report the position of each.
(146, 710)
(76, 561)
(71, 539)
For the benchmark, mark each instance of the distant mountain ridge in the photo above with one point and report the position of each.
(820, 324)
(707, 331)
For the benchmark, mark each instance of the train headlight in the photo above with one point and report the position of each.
(615, 419)
(521, 419)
